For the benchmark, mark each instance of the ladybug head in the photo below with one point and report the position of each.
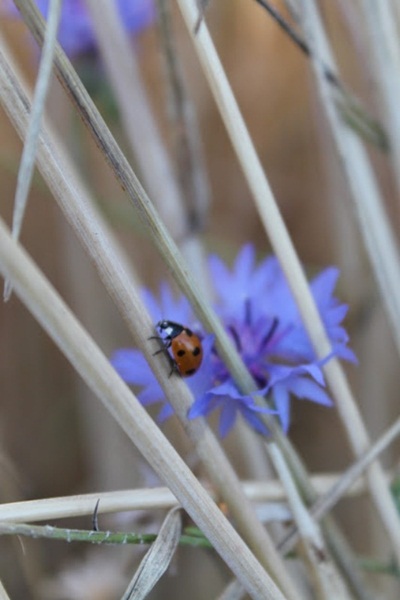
(171, 328)
(163, 324)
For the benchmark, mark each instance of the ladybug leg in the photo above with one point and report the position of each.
(166, 343)
(159, 351)
(157, 337)
(174, 367)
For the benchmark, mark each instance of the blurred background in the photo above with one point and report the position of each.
(55, 437)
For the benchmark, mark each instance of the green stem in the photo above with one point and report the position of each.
(190, 537)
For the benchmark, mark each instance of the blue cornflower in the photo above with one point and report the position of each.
(257, 308)
(76, 34)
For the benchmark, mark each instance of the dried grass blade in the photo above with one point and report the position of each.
(25, 171)
(339, 489)
(233, 591)
(188, 151)
(136, 193)
(76, 206)
(157, 560)
(384, 49)
(328, 500)
(46, 509)
(284, 249)
(161, 238)
(52, 313)
(139, 124)
(3, 593)
(379, 239)
(141, 129)
(327, 580)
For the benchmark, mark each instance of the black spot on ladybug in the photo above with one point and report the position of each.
(196, 351)
(190, 372)
(188, 332)
(181, 353)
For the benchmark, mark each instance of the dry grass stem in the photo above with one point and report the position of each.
(61, 176)
(184, 278)
(50, 311)
(233, 591)
(332, 496)
(188, 152)
(327, 581)
(348, 478)
(47, 509)
(384, 49)
(129, 182)
(382, 251)
(171, 216)
(285, 251)
(154, 227)
(158, 175)
(272, 221)
(139, 124)
(276, 229)
(3, 593)
(117, 281)
(27, 164)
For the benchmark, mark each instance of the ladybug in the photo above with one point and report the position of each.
(186, 348)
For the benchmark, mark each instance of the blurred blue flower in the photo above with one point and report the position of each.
(76, 34)
(259, 313)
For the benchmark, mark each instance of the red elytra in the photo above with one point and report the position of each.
(186, 348)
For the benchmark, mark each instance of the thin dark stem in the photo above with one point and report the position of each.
(95, 517)
(296, 39)
(352, 112)
(188, 150)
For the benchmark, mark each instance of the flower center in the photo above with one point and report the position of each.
(253, 342)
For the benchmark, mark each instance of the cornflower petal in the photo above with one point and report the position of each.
(131, 365)
(232, 287)
(323, 285)
(151, 394)
(165, 413)
(337, 314)
(255, 422)
(346, 354)
(201, 407)
(309, 390)
(167, 306)
(280, 373)
(281, 398)
(227, 418)
(231, 402)
(244, 282)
